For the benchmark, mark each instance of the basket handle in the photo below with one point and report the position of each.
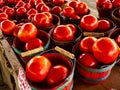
(33, 51)
(64, 52)
(96, 34)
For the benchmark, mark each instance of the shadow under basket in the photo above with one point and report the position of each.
(57, 58)
(19, 46)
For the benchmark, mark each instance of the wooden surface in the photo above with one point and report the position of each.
(113, 81)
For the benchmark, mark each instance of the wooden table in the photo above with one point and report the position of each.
(113, 81)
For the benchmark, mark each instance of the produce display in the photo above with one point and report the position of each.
(38, 26)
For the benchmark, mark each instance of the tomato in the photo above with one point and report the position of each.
(27, 6)
(86, 44)
(73, 4)
(62, 33)
(58, 2)
(103, 25)
(116, 3)
(21, 11)
(101, 2)
(73, 28)
(82, 8)
(37, 68)
(44, 8)
(56, 10)
(32, 11)
(89, 22)
(118, 40)
(56, 75)
(107, 5)
(37, 43)
(27, 32)
(41, 20)
(68, 11)
(10, 12)
(39, 5)
(87, 60)
(7, 27)
(19, 4)
(1, 3)
(75, 17)
(119, 12)
(49, 15)
(105, 50)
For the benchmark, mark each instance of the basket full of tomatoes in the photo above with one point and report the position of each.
(51, 70)
(95, 58)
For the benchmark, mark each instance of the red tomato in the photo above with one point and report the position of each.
(37, 68)
(1, 3)
(119, 12)
(56, 10)
(27, 32)
(62, 33)
(118, 40)
(73, 28)
(75, 17)
(49, 15)
(19, 4)
(105, 50)
(101, 2)
(27, 6)
(73, 4)
(88, 60)
(39, 5)
(10, 12)
(103, 25)
(56, 75)
(44, 8)
(32, 11)
(82, 8)
(7, 27)
(21, 11)
(68, 11)
(89, 22)
(37, 43)
(107, 5)
(116, 3)
(41, 20)
(58, 2)
(86, 44)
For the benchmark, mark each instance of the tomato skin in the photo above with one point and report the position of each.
(116, 3)
(86, 44)
(103, 25)
(105, 50)
(37, 68)
(62, 33)
(56, 10)
(73, 28)
(68, 11)
(41, 20)
(56, 75)
(82, 8)
(89, 22)
(118, 40)
(101, 2)
(107, 5)
(88, 60)
(10, 27)
(37, 43)
(27, 31)
(58, 2)
(21, 11)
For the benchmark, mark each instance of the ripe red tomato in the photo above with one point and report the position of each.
(19, 4)
(86, 44)
(32, 11)
(44, 8)
(27, 6)
(73, 28)
(82, 8)
(107, 5)
(58, 2)
(73, 4)
(62, 33)
(37, 68)
(56, 10)
(68, 11)
(89, 22)
(37, 43)
(101, 2)
(103, 25)
(39, 5)
(56, 75)
(10, 12)
(49, 15)
(1, 3)
(118, 40)
(7, 27)
(105, 50)
(41, 20)
(116, 3)
(21, 11)
(27, 32)
(88, 60)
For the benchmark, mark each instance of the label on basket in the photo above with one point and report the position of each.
(22, 82)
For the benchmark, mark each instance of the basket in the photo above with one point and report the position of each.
(19, 47)
(57, 56)
(92, 75)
